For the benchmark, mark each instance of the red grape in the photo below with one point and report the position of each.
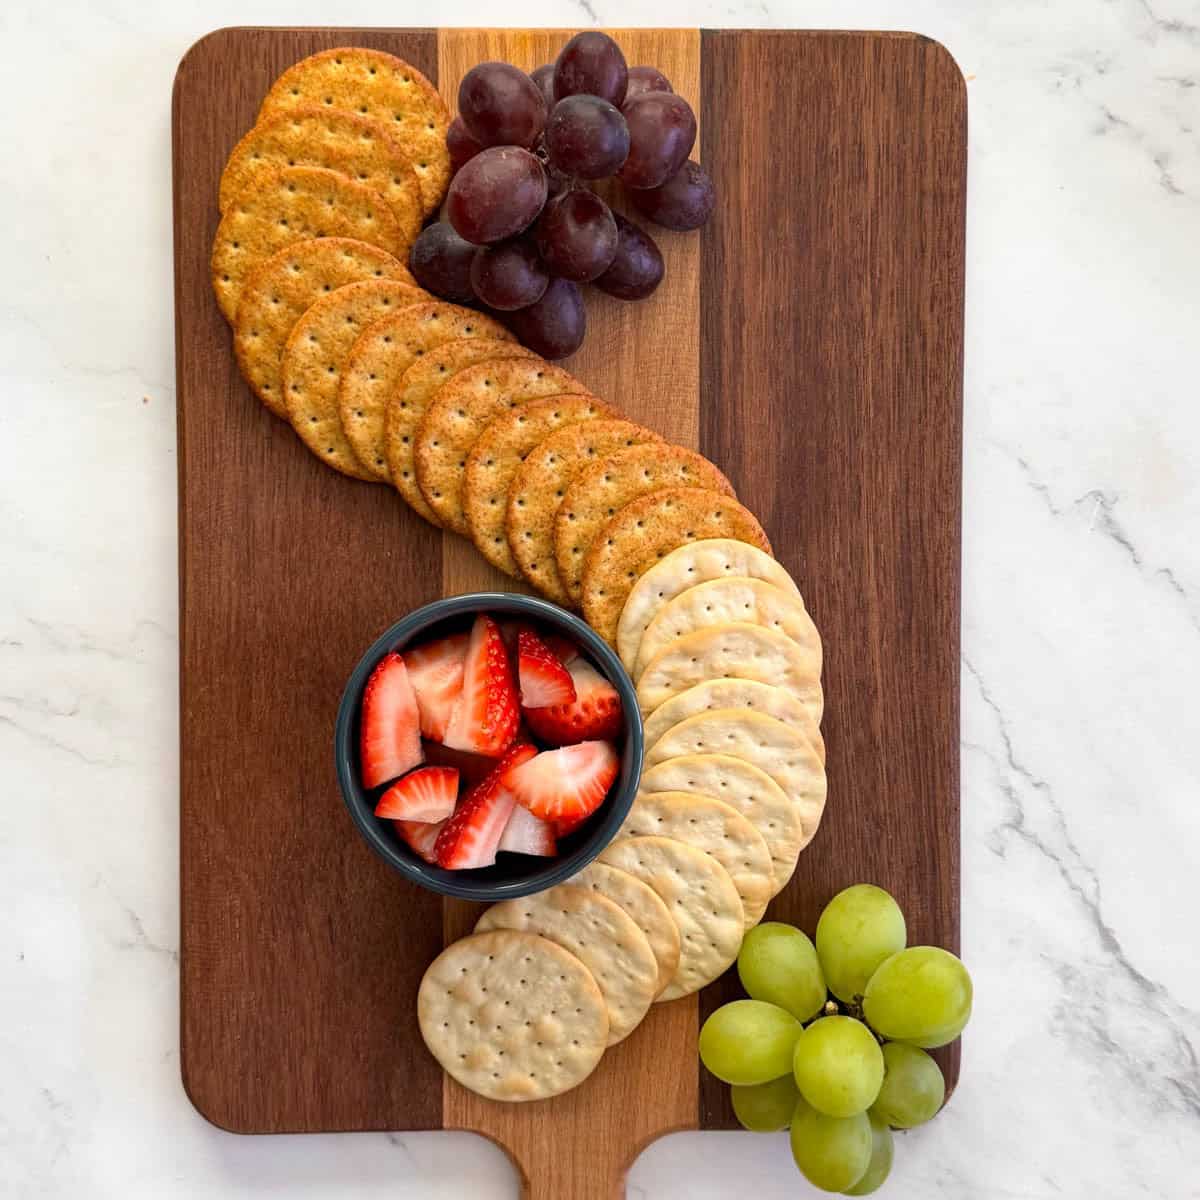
(543, 76)
(662, 131)
(462, 146)
(576, 235)
(587, 137)
(591, 64)
(638, 266)
(497, 194)
(685, 201)
(441, 263)
(508, 276)
(501, 106)
(555, 325)
(646, 79)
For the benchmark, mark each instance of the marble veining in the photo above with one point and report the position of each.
(1081, 616)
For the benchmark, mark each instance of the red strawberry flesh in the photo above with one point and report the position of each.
(567, 784)
(486, 715)
(428, 794)
(543, 678)
(469, 839)
(391, 734)
(436, 671)
(420, 837)
(594, 714)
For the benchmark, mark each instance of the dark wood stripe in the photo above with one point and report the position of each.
(831, 344)
(291, 979)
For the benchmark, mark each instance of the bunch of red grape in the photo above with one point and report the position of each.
(523, 228)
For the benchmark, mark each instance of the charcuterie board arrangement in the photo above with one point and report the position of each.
(665, 327)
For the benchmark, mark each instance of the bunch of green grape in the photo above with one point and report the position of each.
(832, 1042)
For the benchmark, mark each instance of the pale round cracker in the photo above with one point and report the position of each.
(700, 897)
(413, 395)
(781, 750)
(733, 693)
(541, 482)
(745, 787)
(378, 360)
(512, 1016)
(716, 828)
(737, 650)
(686, 567)
(383, 87)
(290, 206)
(311, 136)
(647, 530)
(646, 908)
(734, 598)
(499, 450)
(601, 934)
(599, 492)
(283, 287)
(462, 410)
(316, 352)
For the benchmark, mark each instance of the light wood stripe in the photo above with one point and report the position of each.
(644, 358)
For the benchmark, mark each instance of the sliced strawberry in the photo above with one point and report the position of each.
(436, 671)
(567, 784)
(485, 716)
(562, 648)
(426, 795)
(391, 734)
(420, 837)
(595, 713)
(527, 834)
(470, 838)
(543, 678)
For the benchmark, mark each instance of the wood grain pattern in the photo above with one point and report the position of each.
(832, 367)
(292, 990)
(809, 340)
(581, 1144)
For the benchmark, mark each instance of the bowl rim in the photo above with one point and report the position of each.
(439, 879)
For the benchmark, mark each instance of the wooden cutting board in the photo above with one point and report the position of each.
(808, 340)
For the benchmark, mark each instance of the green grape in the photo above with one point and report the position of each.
(921, 995)
(749, 1042)
(765, 1107)
(838, 1066)
(833, 1153)
(913, 1087)
(779, 964)
(880, 1166)
(859, 928)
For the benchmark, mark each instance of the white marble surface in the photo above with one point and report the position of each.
(1081, 731)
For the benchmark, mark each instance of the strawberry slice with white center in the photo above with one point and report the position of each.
(391, 733)
(436, 672)
(568, 784)
(486, 715)
(527, 834)
(595, 713)
(420, 837)
(470, 837)
(428, 795)
(543, 678)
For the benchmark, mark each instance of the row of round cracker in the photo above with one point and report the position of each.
(348, 143)
(727, 664)
(524, 1007)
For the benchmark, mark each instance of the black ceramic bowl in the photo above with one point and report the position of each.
(513, 874)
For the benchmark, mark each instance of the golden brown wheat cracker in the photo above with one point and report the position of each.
(289, 206)
(383, 87)
(378, 360)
